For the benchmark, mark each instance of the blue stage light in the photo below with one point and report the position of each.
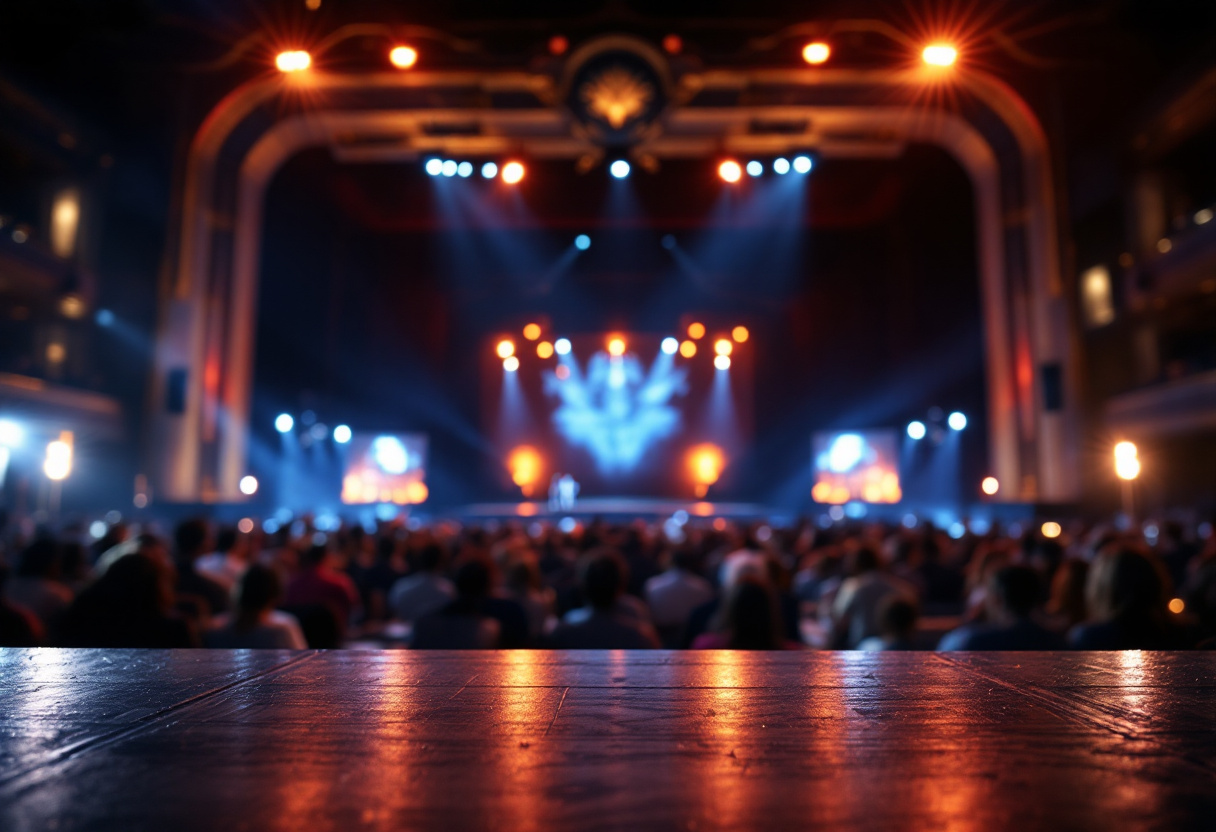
(956, 421)
(449, 167)
(802, 164)
(390, 454)
(104, 317)
(582, 242)
(342, 434)
(464, 170)
(619, 168)
(562, 346)
(845, 452)
(434, 166)
(668, 242)
(669, 346)
(781, 166)
(916, 430)
(489, 170)
(283, 423)
(754, 168)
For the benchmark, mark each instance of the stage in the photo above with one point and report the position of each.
(514, 740)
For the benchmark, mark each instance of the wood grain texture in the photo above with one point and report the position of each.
(524, 740)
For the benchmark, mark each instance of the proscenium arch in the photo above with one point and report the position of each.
(209, 314)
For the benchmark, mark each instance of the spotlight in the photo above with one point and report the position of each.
(619, 169)
(58, 464)
(723, 346)
(558, 44)
(104, 317)
(505, 348)
(754, 168)
(532, 331)
(562, 346)
(544, 350)
(512, 172)
(434, 166)
(722, 362)
(342, 434)
(1127, 461)
(781, 166)
(672, 44)
(730, 171)
(696, 330)
(11, 434)
(283, 423)
(296, 60)
(249, 486)
(670, 346)
(489, 170)
(582, 242)
(510, 364)
(668, 242)
(616, 346)
(1050, 529)
(802, 164)
(916, 430)
(816, 53)
(740, 334)
(449, 167)
(990, 486)
(688, 349)
(956, 421)
(464, 170)
(403, 57)
(939, 54)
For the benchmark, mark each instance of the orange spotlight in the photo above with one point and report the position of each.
(672, 44)
(705, 463)
(544, 350)
(990, 486)
(816, 53)
(616, 346)
(1050, 529)
(730, 171)
(558, 44)
(532, 331)
(525, 464)
(403, 57)
(740, 334)
(723, 346)
(722, 362)
(294, 60)
(1177, 605)
(939, 54)
(512, 173)
(696, 331)
(505, 348)
(688, 349)
(416, 492)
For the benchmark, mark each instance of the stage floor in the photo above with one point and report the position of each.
(186, 740)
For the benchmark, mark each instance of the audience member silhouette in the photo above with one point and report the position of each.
(255, 623)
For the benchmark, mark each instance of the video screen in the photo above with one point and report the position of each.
(858, 466)
(385, 468)
(619, 414)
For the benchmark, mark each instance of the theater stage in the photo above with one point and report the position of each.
(185, 740)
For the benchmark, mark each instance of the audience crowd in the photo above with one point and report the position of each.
(611, 586)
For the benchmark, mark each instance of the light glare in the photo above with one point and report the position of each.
(990, 486)
(11, 434)
(434, 166)
(582, 242)
(249, 485)
(616, 346)
(510, 364)
(505, 348)
(489, 170)
(670, 346)
(295, 60)
(939, 54)
(562, 346)
(619, 169)
(802, 164)
(740, 334)
(512, 172)
(283, 423)
(916, 430)
(464, 170)
(449, 167)
(722, 362)
(342, 434)
(956, 421)
(754, 168)
(816, 53)
(403, 57)
(729, 171)
(781, 166)
(723, 347)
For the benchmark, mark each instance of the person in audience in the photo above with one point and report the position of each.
(18, 626)
(130, 605)
(897, 617)
(227, 563)
(255, 623)
(855, 608)
(675, 593)
(317, 585)
(425, 591)
(37, 585)
(749, 619)
(526, 587)
(1127, 597)
(462, 624)
(605, 627)
(193, 539)
(1012, 597)
(1066, 604)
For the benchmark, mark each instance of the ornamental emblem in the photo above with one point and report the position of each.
(617, 95)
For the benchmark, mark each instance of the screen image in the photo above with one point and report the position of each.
(620, 413)
(855, 466)
(385, 468)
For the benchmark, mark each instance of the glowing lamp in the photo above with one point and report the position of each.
(531, 332)
(616, 346)
(1177, 605)
(939, 54)
(696, 330)
(723, 346)
(582, 242)
(1051, 529)
(403, 57)
(544, 350)
(740, 334)
(510, 364)
(248, 485)
(722, 362)
(990, 485)
(295, 60)
(505, 348)
(729, 171)
(688, 349)
(58, 462)
(512, 173)
(816, 53)
(1127, 461)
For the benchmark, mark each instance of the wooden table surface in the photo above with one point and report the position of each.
(517, 740)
